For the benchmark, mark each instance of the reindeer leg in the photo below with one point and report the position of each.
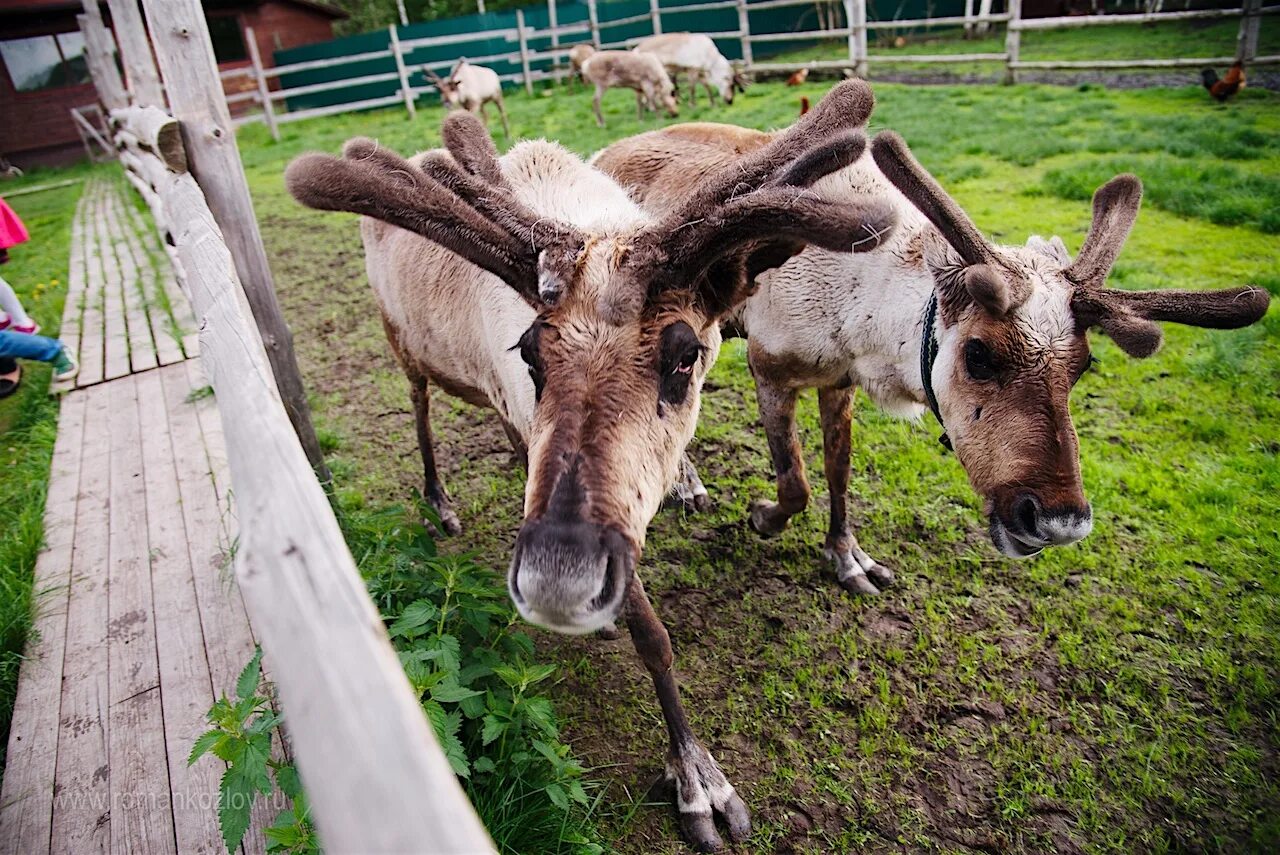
(778, 412)
(853, 566)
(694, 78)
(595, 104)
(701, 788)
(689, 490)
(640, 102)
(433, 489)
(502, 114)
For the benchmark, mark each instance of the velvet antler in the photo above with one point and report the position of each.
(757, 213)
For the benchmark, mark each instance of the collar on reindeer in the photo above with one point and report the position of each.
(929, 353)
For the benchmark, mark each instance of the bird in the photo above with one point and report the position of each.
(804, 105)
(798, 78)
(1224, 88)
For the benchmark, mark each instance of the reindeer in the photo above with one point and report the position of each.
(533, 285)
(641, 72)
(697, 55)
(578, 54)
(991, 338)
(471, 87)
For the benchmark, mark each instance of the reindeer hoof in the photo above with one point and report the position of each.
(858, 583)
(764, 518)
(881, 575)
(609, 632)
(449, 524)
(702, 792)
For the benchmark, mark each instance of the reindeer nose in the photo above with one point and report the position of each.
(569, 576)
(1034, 523)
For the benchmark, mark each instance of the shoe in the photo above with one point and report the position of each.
(26, 329)
(65, 366)
(5, 320)
(9, 382)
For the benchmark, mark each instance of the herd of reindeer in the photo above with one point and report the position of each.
(584, 302)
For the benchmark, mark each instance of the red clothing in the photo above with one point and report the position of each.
(12, 231)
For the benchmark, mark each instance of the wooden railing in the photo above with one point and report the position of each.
(375, 776)
(595, 31)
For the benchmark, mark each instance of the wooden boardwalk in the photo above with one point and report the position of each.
(139, 624)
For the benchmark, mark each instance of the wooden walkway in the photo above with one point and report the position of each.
(139, 623)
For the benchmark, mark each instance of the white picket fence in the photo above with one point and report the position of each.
(595, 31)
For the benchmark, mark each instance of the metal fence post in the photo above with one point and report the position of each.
(1247, 40)
(524, 52)
(264, 91)
(595, 23)
(1013, 41)
(655, 17)
(744, 32)
(855, 12)
(405, 89)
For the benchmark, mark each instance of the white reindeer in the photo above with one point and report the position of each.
(471, 87)
(533, 285)
(643, 73)
(991, 338)
(695, 54)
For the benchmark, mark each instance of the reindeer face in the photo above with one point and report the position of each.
(1011, 336)
(1002, 383)
(616, 406)
(626, 314)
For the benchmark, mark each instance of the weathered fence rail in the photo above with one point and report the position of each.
(375, 776)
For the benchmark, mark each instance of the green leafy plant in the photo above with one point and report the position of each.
(240, 736)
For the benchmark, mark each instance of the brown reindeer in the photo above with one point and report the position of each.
(991, 338)
(624, 69)
(531, 284)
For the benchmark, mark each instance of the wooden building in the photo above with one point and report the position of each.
(43, 72)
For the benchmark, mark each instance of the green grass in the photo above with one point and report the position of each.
(1168, 40)
(37, 270)
(1115, 696)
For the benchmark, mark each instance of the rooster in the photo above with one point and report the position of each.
(798, 78)
(1224, 88)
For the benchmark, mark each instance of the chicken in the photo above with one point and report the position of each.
(804, 105)
(1224, 88)
(798, 78)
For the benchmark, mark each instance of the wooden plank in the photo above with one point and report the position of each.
(173, 329)
(82, 812)
(335, 668)
(40, 188)
(141, 817)
(186, 689)
(115, 335)
(91, 347)
(142, 348)
(26, 803)
(73, 305)
(166, 348)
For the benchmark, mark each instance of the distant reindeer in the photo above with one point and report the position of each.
(531, 284)
(578, 54)
(621, 68)
(990, 338)
(695, 54)
(471, 87)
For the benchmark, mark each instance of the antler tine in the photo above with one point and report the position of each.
(905, 172)
(378, 184)
(1227, 309)
(468, 140)
(1115, 208)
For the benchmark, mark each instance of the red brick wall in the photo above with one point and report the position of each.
(278, 26)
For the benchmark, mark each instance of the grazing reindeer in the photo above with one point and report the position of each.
(578, 54)
(471, 87)
(696, 55)
(992, 338)
(531, 284)
(641, 72)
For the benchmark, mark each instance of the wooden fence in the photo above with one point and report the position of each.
(596, 31)
(375, 776)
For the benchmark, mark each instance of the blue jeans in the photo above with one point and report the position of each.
(37, 347)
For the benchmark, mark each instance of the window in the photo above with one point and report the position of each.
(45, 62)
(228, 40)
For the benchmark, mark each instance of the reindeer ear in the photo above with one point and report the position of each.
(993, 291)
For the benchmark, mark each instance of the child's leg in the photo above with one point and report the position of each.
(22, 346)
(9, 303)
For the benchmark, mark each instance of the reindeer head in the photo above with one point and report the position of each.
(626, 314)
(448, 86)
(1011, 342)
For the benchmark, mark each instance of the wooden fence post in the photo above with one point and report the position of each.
(655, 16)
(984, 12)
(594, 18)
(968, 19)
(101, 60)
(524, 52)
(1247, 40)
(744, 32)
(1012, 41)
(135, 51)
(405, 90)
(264, 90)
(185, 53)
(855, 12)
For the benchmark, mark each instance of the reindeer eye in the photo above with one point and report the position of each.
(678, 353)
(979, 361)
(530, 352)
